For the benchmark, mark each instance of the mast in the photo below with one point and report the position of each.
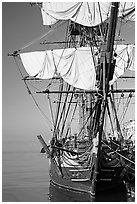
(105, 65)
(107, 62)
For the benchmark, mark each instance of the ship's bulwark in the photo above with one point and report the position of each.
(63, 189)
(80, 180)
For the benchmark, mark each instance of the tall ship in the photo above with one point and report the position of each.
(79, 72)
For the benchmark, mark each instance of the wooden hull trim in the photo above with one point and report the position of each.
(69, 188)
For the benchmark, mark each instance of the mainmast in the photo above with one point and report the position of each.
(108, 63)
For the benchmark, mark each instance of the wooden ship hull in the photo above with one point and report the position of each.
(108, 178)
(69, 172)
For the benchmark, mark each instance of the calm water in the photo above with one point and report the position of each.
(26, 178)
(25, 172)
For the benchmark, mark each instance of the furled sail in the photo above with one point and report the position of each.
(75, 66)
(84, 13)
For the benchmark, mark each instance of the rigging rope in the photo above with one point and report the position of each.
(33, 86)
(42, 36)
(67, 112)
(32, 95)
(115, 151)
(94, 108)
(125, 108)
(64, 105)
(122, 95)
(110, 117)
(116, 117)
(58, 63)
(101, 29)
(52, 116)
(58, 105)
(71, 119)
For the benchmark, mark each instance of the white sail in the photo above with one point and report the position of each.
(38, 64)
(125, 9)
(124, 60)
(84, 13)
(75, 66)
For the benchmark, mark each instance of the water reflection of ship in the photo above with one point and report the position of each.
(119, 194)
